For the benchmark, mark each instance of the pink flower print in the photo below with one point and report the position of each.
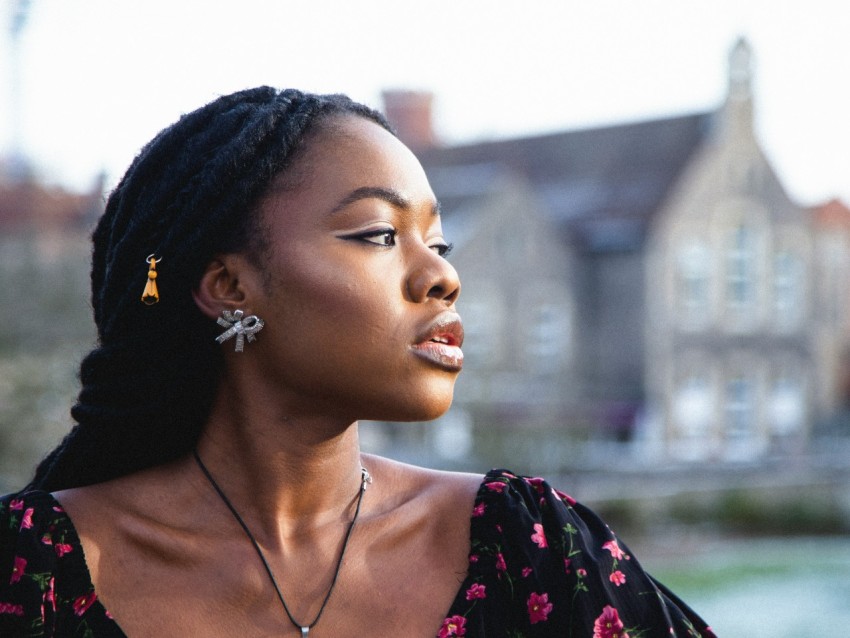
(539, 536)
(617, 577)
(47, 540)
(539, 607)
(569, 500)
(56, 508)
(609, 625)
(526, 571)
(500, 562)
(536, 483)
(82, 604)
(11, 608)
(453, 626)
(581, 572)
(26, 520)
(567, 563)
(16, 504)
(496, 486)
(615, 550)
(62, 549)
(473, 558)
(476, 591)
(498, 528)
(508, 474)
(18, 568)
(50, 595)
(478, 510)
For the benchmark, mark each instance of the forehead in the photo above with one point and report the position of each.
(345, 153)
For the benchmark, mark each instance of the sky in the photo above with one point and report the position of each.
(99, 78)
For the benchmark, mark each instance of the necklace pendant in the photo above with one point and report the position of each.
(305, 632)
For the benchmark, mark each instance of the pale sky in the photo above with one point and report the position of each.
(100, 77)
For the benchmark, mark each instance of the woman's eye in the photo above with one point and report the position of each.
(442, 250)
(383, 237)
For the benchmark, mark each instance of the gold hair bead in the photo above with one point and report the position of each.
(150, 296)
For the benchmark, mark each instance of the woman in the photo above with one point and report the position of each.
(292, 268)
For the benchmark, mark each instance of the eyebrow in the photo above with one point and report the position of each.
(387, 194)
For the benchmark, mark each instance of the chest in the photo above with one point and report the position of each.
(389, 584)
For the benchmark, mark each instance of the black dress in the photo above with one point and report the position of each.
(540, 565)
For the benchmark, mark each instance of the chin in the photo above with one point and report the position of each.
(425, 408)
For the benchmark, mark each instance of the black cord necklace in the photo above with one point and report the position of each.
(305, 629)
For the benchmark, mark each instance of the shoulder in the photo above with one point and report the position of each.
(541, 559)
(35, 531)
(424, 509)
(41, 562)
(433, 490)
(30, 525)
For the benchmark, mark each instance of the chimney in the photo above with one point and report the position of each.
(410, 114)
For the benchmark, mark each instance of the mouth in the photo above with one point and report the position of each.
(440, 343)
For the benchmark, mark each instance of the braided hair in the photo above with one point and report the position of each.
(191, 193)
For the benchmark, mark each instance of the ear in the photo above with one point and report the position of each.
(225, 285)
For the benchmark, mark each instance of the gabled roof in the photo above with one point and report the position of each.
(601, 185)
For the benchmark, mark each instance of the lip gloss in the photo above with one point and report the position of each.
(444, 355)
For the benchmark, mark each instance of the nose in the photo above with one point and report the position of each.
(434, 278)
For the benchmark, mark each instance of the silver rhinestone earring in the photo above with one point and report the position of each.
(238, 327)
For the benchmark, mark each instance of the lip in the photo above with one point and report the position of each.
(440, 342)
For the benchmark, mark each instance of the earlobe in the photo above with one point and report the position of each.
(220, 287)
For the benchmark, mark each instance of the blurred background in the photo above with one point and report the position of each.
(648, 203)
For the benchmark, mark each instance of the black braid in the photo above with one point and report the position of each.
(191, 193)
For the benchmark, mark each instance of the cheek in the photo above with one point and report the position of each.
(349, 306)
(334, 312)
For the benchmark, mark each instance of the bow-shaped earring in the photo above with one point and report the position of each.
(238, 327)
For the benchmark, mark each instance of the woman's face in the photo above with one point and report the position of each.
(360, 307)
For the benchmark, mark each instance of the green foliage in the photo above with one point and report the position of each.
(753, 513)
(742, 512)
(46, 328)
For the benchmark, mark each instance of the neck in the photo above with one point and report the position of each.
(284, 473)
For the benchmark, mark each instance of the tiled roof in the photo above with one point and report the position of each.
(601, 184)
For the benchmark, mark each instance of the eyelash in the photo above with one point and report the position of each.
(442, 250)
(389, 233)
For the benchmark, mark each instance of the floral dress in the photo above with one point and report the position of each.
(543, 565)
(45, 586)
(540, 565)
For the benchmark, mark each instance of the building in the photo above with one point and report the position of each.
(649, 283)
(44, 274)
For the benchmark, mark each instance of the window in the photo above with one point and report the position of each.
(740, 409)
(693, 267)
(694, 407)
(741, 269)
(549, 337)
(787, 407)
(787, 291)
